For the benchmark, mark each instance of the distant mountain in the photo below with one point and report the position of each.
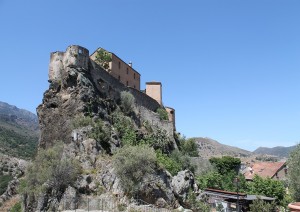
(210, 148)
(19, 131)
(279, 151)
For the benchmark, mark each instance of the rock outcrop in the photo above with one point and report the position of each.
(81, 88)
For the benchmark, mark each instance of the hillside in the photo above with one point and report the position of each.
(279, 151)
(19, 131)
(208, 148)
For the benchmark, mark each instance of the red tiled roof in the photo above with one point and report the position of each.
(264, 169)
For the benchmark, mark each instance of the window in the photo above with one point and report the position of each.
(134, 86)
(134, 75)
(127, 83)
(127, 70)
(119, 64)
(79, 51)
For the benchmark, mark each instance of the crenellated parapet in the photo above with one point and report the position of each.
(74, 56)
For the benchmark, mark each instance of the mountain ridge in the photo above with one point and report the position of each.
(279, 151)
(19, 131)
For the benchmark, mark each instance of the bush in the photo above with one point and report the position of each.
(103, 58)
(4, 181)
(158, 139)
(168, 163)
(174, 162)
(16, 208)
(81, 121)
(189, 147)
(127, 102)
(197, 205)
(163, 114)
(132, 163)
(262, 206)
(121, 123)
(101, 133)
(49, 171)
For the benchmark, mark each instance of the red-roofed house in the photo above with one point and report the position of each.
(274, 170)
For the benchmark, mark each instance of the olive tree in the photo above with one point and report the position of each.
(294, 173)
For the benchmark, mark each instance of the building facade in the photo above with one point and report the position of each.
(122, 71)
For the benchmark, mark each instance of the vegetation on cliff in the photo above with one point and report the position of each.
(50, 172)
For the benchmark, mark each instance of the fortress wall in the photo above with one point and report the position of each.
(106, 82)
(144, 100)
(153, 119)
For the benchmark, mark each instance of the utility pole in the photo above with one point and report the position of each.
(237, 184)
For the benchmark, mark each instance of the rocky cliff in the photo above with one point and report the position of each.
(81, 94)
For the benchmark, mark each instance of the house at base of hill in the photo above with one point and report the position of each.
(273, 170)
(232, 201)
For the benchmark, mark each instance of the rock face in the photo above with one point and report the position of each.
(81, 88)
(182, 183)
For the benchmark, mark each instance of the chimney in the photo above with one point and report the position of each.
(130, 63)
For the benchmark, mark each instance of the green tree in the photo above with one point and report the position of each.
(262, 206)
(163, 114)
(294, 173)
(103, 58)
(132, 164)
(189, 147)
(168, 163)
(267, 187)
(197, 205)
(225, 164)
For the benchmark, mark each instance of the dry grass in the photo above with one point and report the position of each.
(9, 203)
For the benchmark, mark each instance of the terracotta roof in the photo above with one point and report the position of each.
(264, 169)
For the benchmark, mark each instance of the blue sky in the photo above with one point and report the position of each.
(231, 69)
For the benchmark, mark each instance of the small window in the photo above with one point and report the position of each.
(134, 86)
(127, 83)
(79, 51)
(127, 70)
(119, 64)
(172, 112)
(134, 75)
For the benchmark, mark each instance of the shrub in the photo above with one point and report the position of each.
(16, 208)
(132, 163)
(197, 205)
(81, 121)
(174, 162)
(4, 181)
(163, 114)
(103, 58)
(262, 206)
(121, 123)
(50, 171)
(101, 133)
(189, 147)
(127, 102)
(158, 139)
(168, 163)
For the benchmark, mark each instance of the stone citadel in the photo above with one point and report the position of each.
(77, 56)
